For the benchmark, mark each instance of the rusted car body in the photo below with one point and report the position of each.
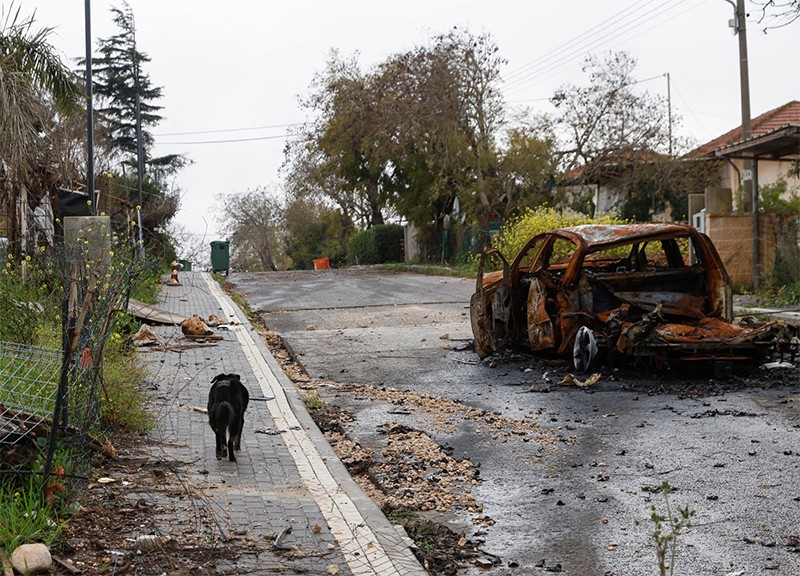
(658, 291)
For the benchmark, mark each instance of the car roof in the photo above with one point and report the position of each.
(602, 234)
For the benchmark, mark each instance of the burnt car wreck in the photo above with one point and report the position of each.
(653, 292)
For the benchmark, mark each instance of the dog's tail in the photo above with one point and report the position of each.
(223, 415)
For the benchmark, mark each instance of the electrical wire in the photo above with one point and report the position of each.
(583, 36)
(268, 127)
(283, 136)
(532, 76)
(580, 47)
(688, 108)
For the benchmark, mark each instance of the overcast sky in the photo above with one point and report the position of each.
(233, 70)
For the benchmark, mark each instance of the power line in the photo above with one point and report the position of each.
(583, 36)
(686, 104)
(583, 43)
(522, 101)
(228, 141)
(230, 130)
(579, 49)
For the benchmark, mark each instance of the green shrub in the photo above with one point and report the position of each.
(28, 306)
(777, 197)
(376, 245)
(389, 242)
(362, 247)
(124, 403)
(517, 231)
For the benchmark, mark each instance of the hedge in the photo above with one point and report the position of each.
(376, 245)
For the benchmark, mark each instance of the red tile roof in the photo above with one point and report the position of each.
(786, 115)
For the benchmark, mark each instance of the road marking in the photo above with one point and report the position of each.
(362, 550)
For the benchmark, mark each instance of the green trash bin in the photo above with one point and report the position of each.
(220, 258)
(187, 265)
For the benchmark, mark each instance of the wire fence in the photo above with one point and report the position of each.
(31, 377)
(30, 383)
(52, 398)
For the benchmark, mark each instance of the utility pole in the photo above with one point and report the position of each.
(139, 149)
(740, 29)
(669, 112)
(749, 190)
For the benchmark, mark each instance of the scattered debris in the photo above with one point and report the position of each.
(793, 543)
(155, 497)
(214, 321)
(204, 338)
(146, 336)
(153, 314)
(570, 379)
(777, 365)
(279, 544)
(439, 549)
(67, 565)
(194, 408)
(173, 276)
(195, 326)
(443, 411)
(147, 542)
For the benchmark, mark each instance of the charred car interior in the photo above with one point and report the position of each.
(654, 292)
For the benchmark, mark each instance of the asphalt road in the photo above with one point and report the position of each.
(578, 496)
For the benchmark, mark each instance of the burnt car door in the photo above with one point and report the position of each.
(535, 287)
(548, 298)
(490, 305)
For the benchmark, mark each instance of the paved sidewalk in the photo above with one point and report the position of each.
(287, 476)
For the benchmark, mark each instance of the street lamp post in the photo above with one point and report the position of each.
(89, 108)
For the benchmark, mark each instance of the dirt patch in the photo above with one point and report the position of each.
(410, 476)
(139, 515)
(440, 550)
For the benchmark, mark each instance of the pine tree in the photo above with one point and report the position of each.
(118, 83)
(118, 77)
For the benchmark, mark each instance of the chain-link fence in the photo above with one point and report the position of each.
(28, 400)
(30, 376)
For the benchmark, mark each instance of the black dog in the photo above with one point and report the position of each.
(227, 401)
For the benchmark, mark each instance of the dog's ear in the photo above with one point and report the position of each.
(217, 377)
(236, 377)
